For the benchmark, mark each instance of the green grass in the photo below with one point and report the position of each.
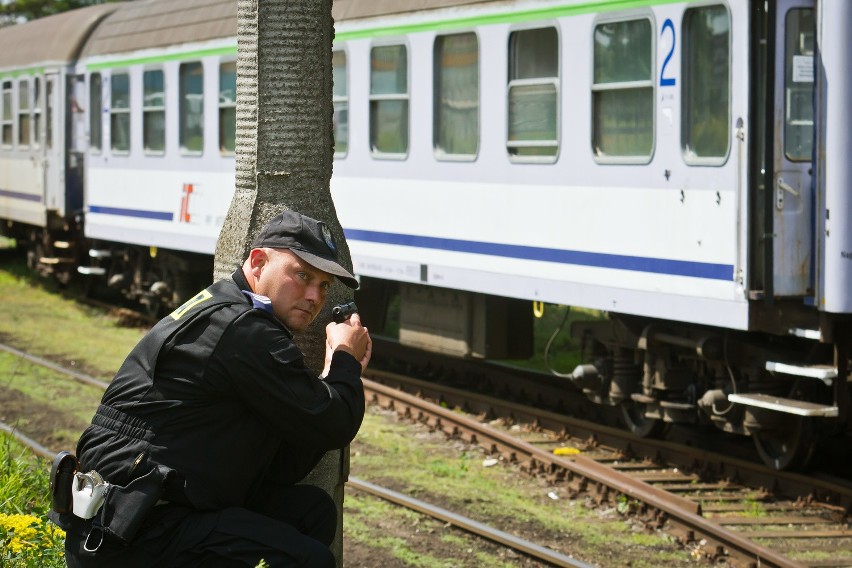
(564, 354)
(33, 315)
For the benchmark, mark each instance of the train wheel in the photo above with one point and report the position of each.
(644, 427)
(790, 448)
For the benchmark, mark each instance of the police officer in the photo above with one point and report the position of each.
(214, 417)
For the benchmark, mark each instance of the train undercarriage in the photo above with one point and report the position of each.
(785, 391)
(157, 279)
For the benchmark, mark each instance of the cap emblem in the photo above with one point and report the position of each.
(329, 239)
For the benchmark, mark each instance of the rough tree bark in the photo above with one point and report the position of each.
(284, 156)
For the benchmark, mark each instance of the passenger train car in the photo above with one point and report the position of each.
(679, 165)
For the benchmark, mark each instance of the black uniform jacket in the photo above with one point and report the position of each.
(219, 392)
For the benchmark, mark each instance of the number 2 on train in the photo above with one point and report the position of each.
(667, 81)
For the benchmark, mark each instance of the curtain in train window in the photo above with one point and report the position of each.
(623, 91)
(37, 111)
(533, 93)
(799, 85)
(119, 115)
(340, 101)
(24, 113)
(153, 112)
(191, 108)
(96, 109)
(456, 112)
(228, 107)
(389, 99)
(705, 115)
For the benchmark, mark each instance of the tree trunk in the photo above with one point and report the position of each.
(284, 156)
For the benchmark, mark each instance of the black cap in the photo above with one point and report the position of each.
(308, 239)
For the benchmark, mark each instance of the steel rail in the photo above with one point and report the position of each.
(82, 377)
(470, 525)
(27, 441)
(684, 512)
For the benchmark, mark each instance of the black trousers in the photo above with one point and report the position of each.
(293, 526)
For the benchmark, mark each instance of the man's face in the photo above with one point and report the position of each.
(297, 289)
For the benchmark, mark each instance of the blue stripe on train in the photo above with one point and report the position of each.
(156, 215)
(19, 195)
(599, 260)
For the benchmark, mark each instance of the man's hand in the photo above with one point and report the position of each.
(350, 336)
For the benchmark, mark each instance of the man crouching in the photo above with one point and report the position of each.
(213, 418)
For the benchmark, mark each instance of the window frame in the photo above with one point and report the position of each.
(121, 112)
(684, 95)
(651, 83)
(789, 90)
(220, 107)
(182, 127)
(37, 94)
(341, 100)
(96, 113)
(149, 109)
(7, 113)
(440, 154)
(23, 114)
(555, 82)
(377, 98)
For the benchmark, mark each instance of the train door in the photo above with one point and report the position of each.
(792, 192)
(54, 159)
(75, 142)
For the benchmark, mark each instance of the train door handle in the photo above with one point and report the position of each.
(779, 193)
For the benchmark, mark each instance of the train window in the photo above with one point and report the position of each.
(533, 104)
(48, 110)
(389, 100)
(456, 96)
(36, 111)
(705, 122)
(96, 108)
(24, 113)
(6, 117)
(799, 85)
(191, 98)
(340, 101)
(153, 112)
(119, 114)
(623, 91)
(228, 107)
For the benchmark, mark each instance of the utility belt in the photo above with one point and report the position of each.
(104, 509)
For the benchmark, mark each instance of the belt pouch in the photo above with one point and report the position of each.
(126, 508)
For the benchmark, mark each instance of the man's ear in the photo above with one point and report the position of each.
(257, 261)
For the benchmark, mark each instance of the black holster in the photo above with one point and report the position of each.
(126, 508)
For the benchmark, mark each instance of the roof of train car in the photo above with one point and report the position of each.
(353, 9)
(145, 24)
(57, 38)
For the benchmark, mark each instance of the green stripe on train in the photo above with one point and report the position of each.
(437, 25)
(506, 18)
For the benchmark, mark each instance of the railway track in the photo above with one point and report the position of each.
(724, 508)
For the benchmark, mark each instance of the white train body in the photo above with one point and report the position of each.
(681, 166)
(576, 230)
(172, 198)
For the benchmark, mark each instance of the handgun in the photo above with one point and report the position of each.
(341, 313)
